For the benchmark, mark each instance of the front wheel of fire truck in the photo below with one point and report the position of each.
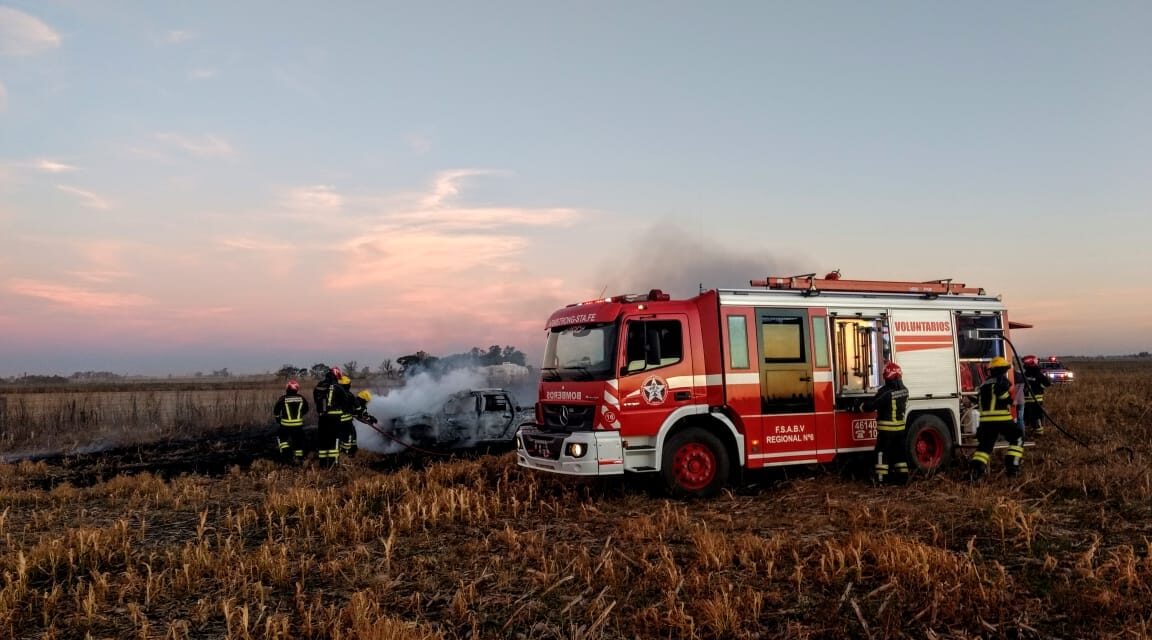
(929, 444)
(695, 464)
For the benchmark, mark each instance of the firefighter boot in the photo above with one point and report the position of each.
(979, 466)
(900, 474)
(880, 471)
(284, 449)
(1013, 460)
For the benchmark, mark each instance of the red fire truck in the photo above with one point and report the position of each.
(699, 390)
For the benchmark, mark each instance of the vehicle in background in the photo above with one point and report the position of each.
(1056, 370)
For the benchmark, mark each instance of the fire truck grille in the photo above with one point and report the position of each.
(568, 417)
(544, 446)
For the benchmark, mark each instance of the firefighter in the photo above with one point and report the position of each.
(995, 399)
(347, 433)
(362, 400)
(361, 412)
(1019, 390)
(1035, 381)
(891, 405)
(332, 400)
(289, 411)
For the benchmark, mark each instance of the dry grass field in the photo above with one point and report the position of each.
(475, 547)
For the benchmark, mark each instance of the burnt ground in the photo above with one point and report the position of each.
(212, 454)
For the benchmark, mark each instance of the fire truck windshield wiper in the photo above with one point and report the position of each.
(583, 371)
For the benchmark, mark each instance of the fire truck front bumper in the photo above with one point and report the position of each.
(582, 453)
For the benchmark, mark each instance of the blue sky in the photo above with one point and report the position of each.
(189, 186)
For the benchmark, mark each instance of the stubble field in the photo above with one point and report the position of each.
(474, 547)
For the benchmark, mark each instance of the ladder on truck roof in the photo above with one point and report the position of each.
(809, 284)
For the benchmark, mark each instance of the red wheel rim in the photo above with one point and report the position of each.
(929, 449)
(694, 466)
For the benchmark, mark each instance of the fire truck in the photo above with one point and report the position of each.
(700, 390)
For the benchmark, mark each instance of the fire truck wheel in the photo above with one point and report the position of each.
(929, 444)
(695, 464)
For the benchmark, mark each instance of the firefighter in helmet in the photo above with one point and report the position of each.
(362, 400)
(289, 411)
(891, 406)
(1035, 382)
(995, 401)
(347, 427)
(332, 400)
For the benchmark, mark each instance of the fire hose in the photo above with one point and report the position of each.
(400, 442)
(1029, 392)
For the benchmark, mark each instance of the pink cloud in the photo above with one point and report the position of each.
(447, 185)
(104, 262)
(321, 199)
(75, 297)
(87, 198)
(24, 35)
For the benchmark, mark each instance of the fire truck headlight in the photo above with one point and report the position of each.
(577, 449)
(519, 444)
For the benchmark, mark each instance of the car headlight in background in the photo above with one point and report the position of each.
(577, 449)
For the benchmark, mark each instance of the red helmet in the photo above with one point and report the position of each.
(1030, 361)
(892, 371)
(336, 372)
(292, 386)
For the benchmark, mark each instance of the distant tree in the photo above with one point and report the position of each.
(288, 371)
(513, 355)
(365, 372)
(319, 370)
(199, 374)
(350, 368)
(492, 356)
(221, 373)
(387, 369)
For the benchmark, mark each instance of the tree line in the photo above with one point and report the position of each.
(414, 363)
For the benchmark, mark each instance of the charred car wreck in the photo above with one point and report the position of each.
(468, 418)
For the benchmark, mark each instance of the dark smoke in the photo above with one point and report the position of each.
(669, 258)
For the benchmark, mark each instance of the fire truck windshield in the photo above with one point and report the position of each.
(584, 352)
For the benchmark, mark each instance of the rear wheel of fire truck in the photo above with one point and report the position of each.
(929, 444)
(695, 464)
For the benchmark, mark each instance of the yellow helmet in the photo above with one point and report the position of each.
(364, 395)
(344, 380)
(999, 362)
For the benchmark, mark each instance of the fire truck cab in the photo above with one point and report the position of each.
(700, 389)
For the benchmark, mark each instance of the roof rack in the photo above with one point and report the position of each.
(811, 285)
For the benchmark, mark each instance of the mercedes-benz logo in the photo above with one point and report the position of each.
(564, 416)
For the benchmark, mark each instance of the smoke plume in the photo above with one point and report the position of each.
(426, 393)
(670, 258)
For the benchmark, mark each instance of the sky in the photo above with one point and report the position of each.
(188, 186)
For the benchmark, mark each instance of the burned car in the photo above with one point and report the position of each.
(468, 418)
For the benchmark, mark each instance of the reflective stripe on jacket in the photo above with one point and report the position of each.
(996, 400)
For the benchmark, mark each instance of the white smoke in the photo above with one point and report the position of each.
(421, 393)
